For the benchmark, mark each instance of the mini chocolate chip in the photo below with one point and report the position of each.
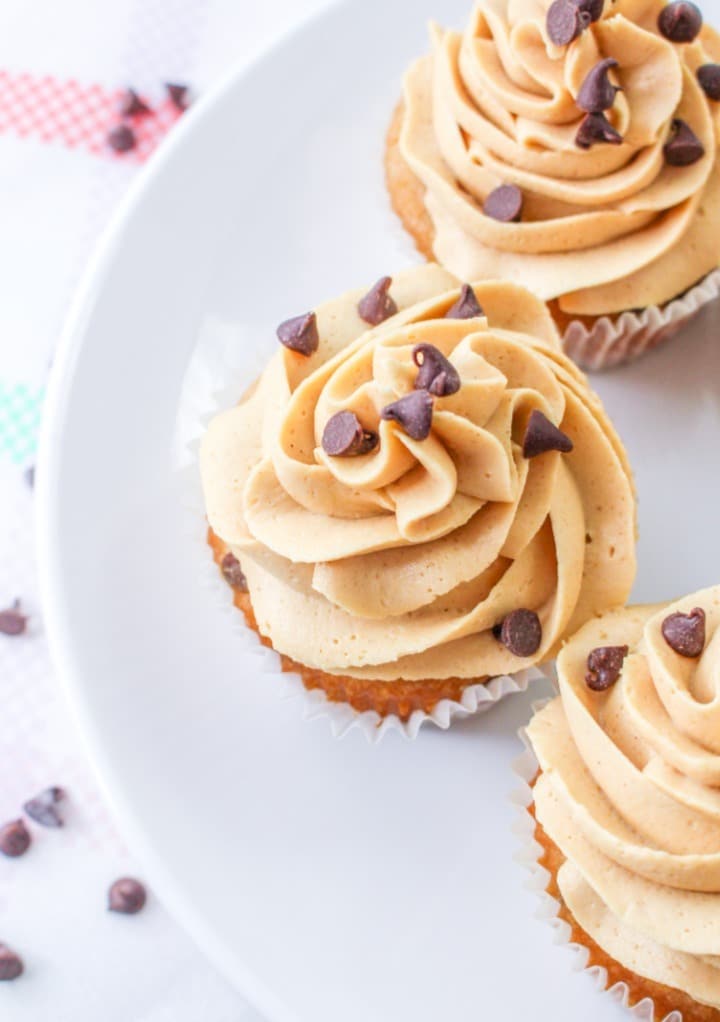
(504, 203)
(596, 128)
(121, 138)
(541, 435)
(467, 306)
(709, 78)
(592, 8)
(437, 374)
(133, 105)
(43, 808)
(127, 896)
(565, 21)
(377, 305)
(179, 94)
(300, 334)
(683, 148)
(604, 666)
(12, 620)
(521, 633)
(680, 22)
(597, 92)
(14, 839)
(413, 412)
(345, 437)
(685, 633)
(11, 964)
(233, 573)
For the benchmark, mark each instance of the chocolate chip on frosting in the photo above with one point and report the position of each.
(685, 633)
(345, 437)
(541, 436)
(43, 809)
(300, 334)
(597, 92)
(12, 620)
(683, 148)
(377, 305)
(413, 412)
(565, 21)
(596, 128)
(467, 306)
(121, 138)
(233, 573)
(14, 839)
(680, 22)
(592, 8)
(521, 632)
(504, 203)
(437, 374)
(127, 896)
(11, 964)
(604, 666)
(133, 105)
(709, 77)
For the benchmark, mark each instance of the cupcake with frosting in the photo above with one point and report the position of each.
(627, 800)
(571, 147)
(419, 494)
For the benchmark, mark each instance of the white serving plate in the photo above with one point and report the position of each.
(331, 880)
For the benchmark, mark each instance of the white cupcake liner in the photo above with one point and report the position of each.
(224, 365)
(613, 341)
(526, 767)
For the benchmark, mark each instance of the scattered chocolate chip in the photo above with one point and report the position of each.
(12, 620)
(133, 105)
(466, 307)
(521, 632)
(597, 92)
(345, 437)
(685, 633)
(437, 374)
(604, 666)
(680, 22)
(413, 412)
(300, 334)
(596, 128)
(30, 476)
(14, 839)
(377, 305)
(683, 147)
(127, 896)
(541, 435)
(709, 78)
(11, 964)
(565, 21)
(121, 138)
(43, 809)
(592, 8)
(504, 203)
(179, 94)
(233, 573)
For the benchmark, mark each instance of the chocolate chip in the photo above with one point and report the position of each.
(11, 964)
(437, 375)
(14, 839)
(596, 128)
(233, 573)
(521, 632)
(709, 78)
(466, 307)
(12, 620)
(121, 138)
(597, 93)
(685, 633)
(592, 8)
(345, 437)
(30, 476)
(43, 809)
(680, 22)
(413, 412)
(504, 203)
(179, 94)
(541, 435)
(133, 105)
(683, 148)
(565, 21)
(300, 334)
(127, 896)
(604, 666)
(377, 305)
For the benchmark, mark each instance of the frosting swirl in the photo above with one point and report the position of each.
(630, 792)
(604, 228)
(398, 562)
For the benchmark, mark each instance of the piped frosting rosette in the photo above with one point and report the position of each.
(629, 788)
(398, 495)
(584, 168)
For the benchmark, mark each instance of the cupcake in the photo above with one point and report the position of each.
(571, 148)
(627, 800)
(419, 494)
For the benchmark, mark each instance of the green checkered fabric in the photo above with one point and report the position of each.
(20, 409)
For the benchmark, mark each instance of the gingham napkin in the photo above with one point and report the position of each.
(63, 69)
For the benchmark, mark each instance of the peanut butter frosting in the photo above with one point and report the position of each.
(604, 228)
(630, 789)
(399, 563)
